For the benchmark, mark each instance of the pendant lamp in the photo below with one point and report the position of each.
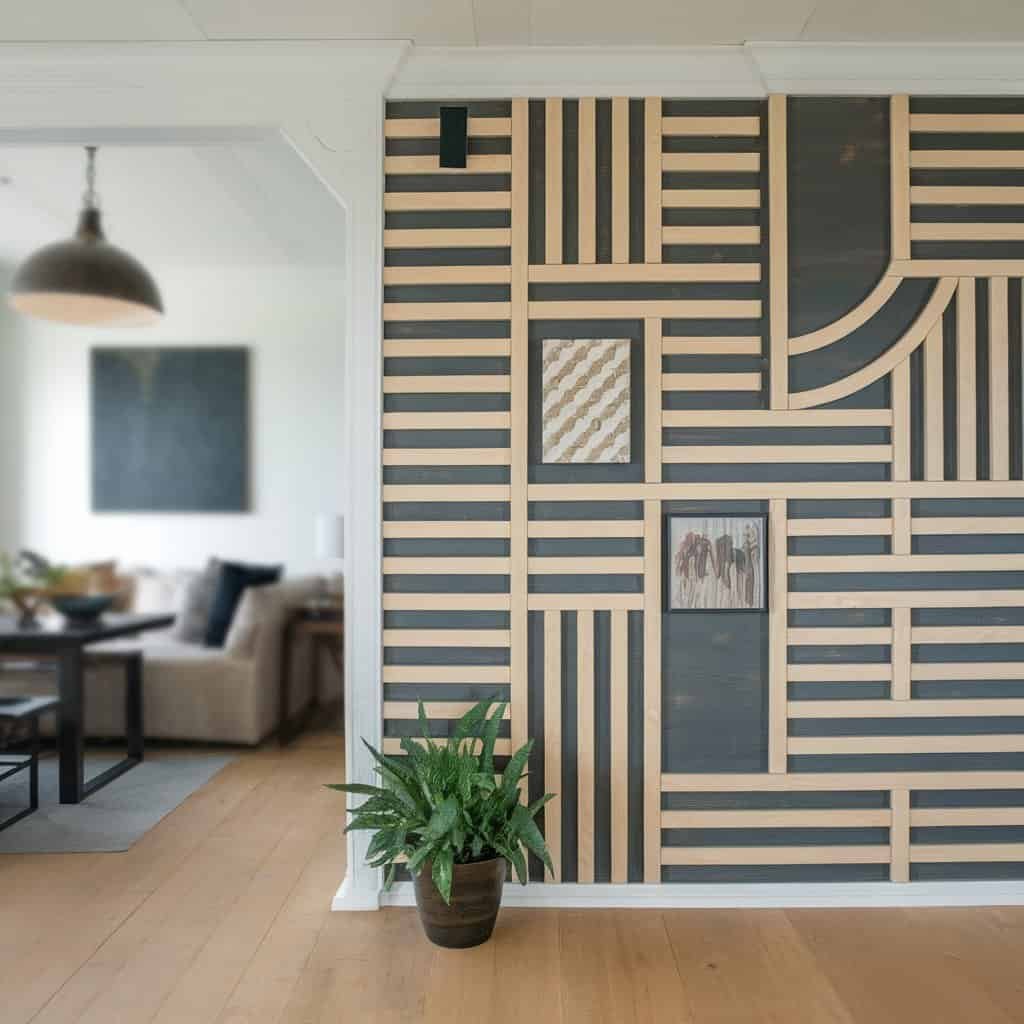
(85, 280)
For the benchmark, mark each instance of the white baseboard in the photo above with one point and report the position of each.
(837, 894)
(351, 897)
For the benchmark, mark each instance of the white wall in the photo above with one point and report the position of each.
(292, 320)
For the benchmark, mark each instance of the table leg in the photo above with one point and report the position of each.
(285, 731)
(134, 730)
(71, 736)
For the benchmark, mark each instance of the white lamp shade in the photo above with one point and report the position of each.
(330, 536)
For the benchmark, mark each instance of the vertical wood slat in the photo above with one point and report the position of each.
(999, 379)
(934, 437)
(899, 835)
(620, 744)
(966, 386)
(620, 180)
(777, 629)
(901, 421)
(901, 526)
(778, 260)
(587, 189)
(519, 384)
(652, 400)
(899, 170)
(553, 737)
(652, 691)
(585, 744)
(901, 654)
(553, 180)
(652, 179)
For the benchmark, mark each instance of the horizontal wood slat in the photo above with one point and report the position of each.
(430, 127)
(784, 453)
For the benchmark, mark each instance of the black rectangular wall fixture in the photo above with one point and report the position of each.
(454, 141)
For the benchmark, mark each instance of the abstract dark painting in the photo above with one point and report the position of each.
(170, 429)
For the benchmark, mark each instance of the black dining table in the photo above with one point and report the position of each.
(54, 640)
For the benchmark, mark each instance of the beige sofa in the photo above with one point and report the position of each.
(218, 695)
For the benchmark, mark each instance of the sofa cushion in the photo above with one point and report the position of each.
(267, 606)
(197, 600)
(233, 579)
(159, 592)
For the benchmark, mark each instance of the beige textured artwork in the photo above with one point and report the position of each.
(586, 400)
(716, 563)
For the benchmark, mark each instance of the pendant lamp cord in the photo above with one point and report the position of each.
(90, 197)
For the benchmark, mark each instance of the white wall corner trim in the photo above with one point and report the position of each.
(666, 897)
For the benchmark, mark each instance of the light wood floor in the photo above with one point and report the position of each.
(220, 916)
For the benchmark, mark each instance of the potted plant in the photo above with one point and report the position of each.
(457, 825)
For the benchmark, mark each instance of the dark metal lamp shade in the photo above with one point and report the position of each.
(86, 281)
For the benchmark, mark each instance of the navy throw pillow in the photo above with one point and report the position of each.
(234, 578)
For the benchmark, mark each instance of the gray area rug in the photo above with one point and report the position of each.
(113, 819)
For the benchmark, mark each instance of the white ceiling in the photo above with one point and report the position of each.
(240, 204)
(516, 22)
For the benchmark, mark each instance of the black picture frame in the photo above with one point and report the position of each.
(668, 555)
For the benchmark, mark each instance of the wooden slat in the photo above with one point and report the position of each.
(587, 528)
(985, 744)
(972, 525)
(959, 231)
(778, 256)
(854, 672)
(806, 782)
(652, 691)
(652, 399)
(586, 565)
(446, 456)
(901, 520)
(956, 268)
(777, 417)
(445, 528)
(711, 162)
(966, 386)
(776, 453)
(961, 195)
(774, 854)
(619, 745)
(489, 200)
(611, 308)
(430, 127)
(968, 634)
(909, 599)
(587, 169)
(966, 853)
(446, 602)
(439, 347)
(519, 401)
(901, 651)
(448, 383)
(934, 436)
(711, 381)
(711, 234)
(899, 176)
(620, 179)
(461, 566)
(711, 198)
(393, 745)
(396, 311)
(839, 527)
(850, 321)
(585, 744)
(967, 122)
(408, 710)
(999, 380)
(445, 492)
(922, 817)
(899, 835)
(830, 818)
(700, 346)
(711, 125)
(830, 635)
(447, 275)
(652, 179)
(583, 602)
(917, 708)
(1011, 159)
(968, 670)
(553, 737)
(476, 163)
(905, 563)
(446, 673)
(553, 179)
(446, 637)
(777, 649)
(445, 238)
(641, 273)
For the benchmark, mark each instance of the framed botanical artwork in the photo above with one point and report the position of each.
(716, 563)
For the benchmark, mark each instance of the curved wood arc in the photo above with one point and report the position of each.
(888, 360)
(850, 321)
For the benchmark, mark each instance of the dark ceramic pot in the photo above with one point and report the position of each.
(476, 896)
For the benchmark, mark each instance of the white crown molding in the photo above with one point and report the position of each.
(754, 69)
(452, 72)
(669, 896)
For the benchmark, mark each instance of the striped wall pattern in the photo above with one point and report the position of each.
(885, 447)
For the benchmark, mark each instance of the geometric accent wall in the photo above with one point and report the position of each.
(823, 307)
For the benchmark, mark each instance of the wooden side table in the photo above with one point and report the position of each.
(323, 631)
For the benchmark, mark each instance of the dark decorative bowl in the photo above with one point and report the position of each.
(82, 609)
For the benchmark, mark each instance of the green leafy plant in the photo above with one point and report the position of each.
(442, 804)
